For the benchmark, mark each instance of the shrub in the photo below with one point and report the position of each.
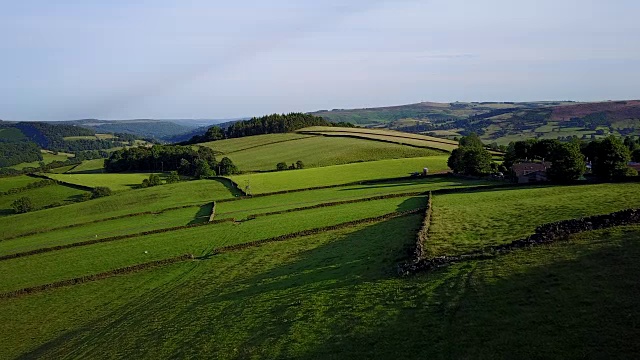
(299, 164)
(281, 166)
(22, 205)
(173, 177)
(100, 191)
(154, 180)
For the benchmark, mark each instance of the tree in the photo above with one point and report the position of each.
(185, 167)
(22, 205)
(455, 161)
(567, 163)
(100, 191)
(477, 161)
(227, 167)
(611, 159)
(471, 140)
(281, 166)
(299, 164)
(173, 177)
(154, 180)
(203, 170)
(635, 155)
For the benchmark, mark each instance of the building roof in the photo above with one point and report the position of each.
(526, 168)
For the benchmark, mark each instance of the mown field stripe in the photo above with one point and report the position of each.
(96, 277)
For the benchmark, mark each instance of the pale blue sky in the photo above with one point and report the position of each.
(121, 59)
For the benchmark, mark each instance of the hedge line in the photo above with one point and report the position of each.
(314, 231)
(544, 234)
(74, 186)
(95, 277)
(35, 185)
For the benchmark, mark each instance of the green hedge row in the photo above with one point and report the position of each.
(95, 277)
(35, 185)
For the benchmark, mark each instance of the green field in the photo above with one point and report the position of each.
(52, 195)
(271, 149)
(152, 199)
(96, 137)
(47, 157)
(495, 217)
(304, 275)
(116, 182)
(285, 300)
(88, 167)
(13, 182)
(340, 174)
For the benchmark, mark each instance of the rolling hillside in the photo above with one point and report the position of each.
(502, 122)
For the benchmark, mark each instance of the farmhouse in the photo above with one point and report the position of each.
(529, 172)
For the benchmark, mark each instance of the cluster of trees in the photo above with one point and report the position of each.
(471, 157)
(185, 160)
(155, 180)
(269, 124)
(283, 166)
(608, 157)
(13, 153)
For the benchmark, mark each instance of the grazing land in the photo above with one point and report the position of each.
(265, 155)
(47, 157)
(306, 265)
(52, 195)
(495, 217)
(336, 175)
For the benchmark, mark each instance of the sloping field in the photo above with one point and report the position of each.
(52, 195)
(318, 151)
(386, 136)
(335, 295)
(467, 222)
(152, 199)
(89, 167)
(47, 157)
(229, 146)
(339, 174)
(116, 182)
(14, 182)
(96, 137)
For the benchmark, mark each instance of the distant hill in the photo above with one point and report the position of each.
(144, 128)
(501, 122)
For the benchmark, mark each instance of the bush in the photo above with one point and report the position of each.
(281, 166)
(100, 191)
(299, 164)
(173, 177)
(23, 205)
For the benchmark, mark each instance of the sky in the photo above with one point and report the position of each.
(116, 59)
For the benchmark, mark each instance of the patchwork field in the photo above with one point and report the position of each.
(313, 273)
(47, 157)
(53, 195)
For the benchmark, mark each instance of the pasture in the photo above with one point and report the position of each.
(116, 182)
(14, 182)
(47, 157)
(94, 166)
(52, 195)
(339, 174)
(287, 299)
(465, 222)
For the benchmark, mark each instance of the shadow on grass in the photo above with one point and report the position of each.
(202, 215)
(229, 185)
(340, 298)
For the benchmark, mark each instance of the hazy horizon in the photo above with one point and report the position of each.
(215, 60)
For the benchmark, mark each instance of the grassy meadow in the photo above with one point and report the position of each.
(53, 195)
(343, 151)
(339, 174)
(14, 182)
(283, 280)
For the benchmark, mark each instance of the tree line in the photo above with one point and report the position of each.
(186, 160)
(269, 124)
(608, 157)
